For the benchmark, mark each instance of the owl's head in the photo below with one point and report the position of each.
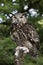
(19, 18)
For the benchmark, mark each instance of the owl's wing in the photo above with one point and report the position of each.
(31, 33)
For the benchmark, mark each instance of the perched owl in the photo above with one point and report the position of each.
(24, 34)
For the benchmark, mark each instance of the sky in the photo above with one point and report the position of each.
(33, 12)
(13, 0)
(1, 20)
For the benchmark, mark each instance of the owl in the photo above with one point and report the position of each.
(24, 34)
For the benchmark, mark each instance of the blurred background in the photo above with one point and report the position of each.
(34, 9)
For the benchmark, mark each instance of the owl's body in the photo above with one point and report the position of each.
(24, 33)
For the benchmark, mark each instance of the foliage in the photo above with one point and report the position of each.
(7, 46)
(8, 6)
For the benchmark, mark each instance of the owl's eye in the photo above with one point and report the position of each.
(21, 17)
(14, 17)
